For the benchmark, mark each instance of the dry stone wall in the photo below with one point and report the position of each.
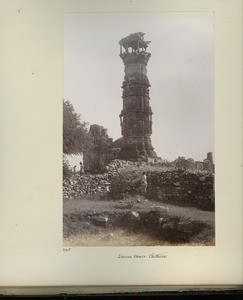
(86, 184)
(95, 184)
(182, 188)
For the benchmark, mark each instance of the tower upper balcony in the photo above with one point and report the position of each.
(133, 43)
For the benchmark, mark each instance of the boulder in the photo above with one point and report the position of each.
(135, 214)
(100, 221)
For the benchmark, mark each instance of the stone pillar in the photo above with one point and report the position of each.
(136, 112)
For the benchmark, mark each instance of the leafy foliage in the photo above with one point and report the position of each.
(75, 132)
(97, 163)
(66, 168)
(78, 139)
(125, 183)
(181, 163)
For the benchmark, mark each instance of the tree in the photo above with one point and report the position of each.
(75, 132)
(191, 164)
(66, 168)
(181, 163)
(94, 144)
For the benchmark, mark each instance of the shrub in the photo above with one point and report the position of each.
(97, 164)
(126, 182)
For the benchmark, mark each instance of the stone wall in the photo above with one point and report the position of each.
(86, 184)
(79, 185)
(182, 188)
(178, 187)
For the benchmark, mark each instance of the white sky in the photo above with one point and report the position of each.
(180, 72)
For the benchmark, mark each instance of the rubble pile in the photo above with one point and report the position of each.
(95, 184)
(117, 165)
(182, 188)
(86, 184)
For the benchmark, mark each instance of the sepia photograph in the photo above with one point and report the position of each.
(138, 129)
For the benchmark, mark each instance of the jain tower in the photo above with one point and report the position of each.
(136, 115)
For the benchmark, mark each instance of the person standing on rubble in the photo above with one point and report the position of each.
(81, 168)
(144, 183)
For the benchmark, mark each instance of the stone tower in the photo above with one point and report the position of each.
(136, 115)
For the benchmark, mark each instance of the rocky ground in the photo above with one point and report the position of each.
(135, 221)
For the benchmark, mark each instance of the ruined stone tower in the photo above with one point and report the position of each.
(136, 115)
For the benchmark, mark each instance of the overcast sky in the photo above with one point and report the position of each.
(180, 72)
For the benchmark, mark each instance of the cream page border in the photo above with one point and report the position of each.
(31, 77)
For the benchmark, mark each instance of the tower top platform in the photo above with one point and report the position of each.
(135, 41)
